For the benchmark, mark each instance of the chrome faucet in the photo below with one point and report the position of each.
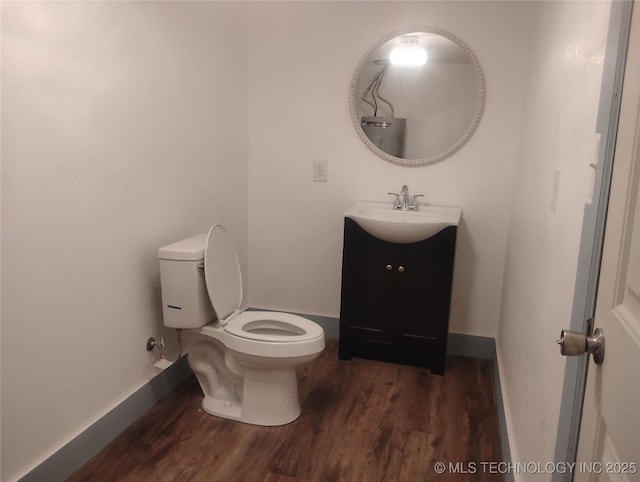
(404, 194)
(404, 201)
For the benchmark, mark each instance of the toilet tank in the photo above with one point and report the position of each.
(185, 301)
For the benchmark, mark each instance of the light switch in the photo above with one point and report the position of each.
(320, 171)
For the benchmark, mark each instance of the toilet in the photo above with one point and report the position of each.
(245, 361)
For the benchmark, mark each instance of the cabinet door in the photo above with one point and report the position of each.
(423, 289)
(422, 299)
(367, 286)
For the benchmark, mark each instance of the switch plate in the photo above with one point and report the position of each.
(320, 171)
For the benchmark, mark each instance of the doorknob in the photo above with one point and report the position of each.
(574, 343)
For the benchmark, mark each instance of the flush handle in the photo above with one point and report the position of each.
(573, 343)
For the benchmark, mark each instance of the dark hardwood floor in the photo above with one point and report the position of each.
(361, 421)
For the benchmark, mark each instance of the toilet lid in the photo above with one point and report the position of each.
(222, 272)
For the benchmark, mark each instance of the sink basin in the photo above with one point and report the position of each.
(396, 226)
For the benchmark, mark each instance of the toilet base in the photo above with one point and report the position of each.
(269, 398)
(255, 389)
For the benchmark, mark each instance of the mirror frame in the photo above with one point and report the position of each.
(475, 120)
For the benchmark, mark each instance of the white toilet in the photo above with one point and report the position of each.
(244, 360)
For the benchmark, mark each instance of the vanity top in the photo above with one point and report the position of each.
(397, 226)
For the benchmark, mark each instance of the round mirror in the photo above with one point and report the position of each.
(417, 96)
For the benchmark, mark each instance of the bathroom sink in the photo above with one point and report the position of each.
(397, 226)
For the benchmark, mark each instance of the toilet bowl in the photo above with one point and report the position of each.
(244, 361)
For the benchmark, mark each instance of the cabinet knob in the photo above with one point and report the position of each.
(389, 267)
(401, 269)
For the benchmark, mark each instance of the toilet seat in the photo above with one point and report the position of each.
(224, 284)
(272, 326)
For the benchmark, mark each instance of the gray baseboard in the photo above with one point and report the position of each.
(502, 419)
(80, 450)
(471, 346)
(485, 348)
(76, 453)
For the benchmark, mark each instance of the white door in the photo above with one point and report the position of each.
(609, 444)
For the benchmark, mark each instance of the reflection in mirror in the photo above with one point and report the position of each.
(417, 96)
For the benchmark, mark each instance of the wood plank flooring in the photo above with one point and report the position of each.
(361, 420)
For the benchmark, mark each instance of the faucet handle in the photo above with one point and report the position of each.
(414, 202)
(396, 202)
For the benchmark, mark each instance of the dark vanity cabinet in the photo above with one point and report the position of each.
(396, 297)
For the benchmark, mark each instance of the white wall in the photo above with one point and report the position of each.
(128, 125)
(558, 132)
(124, 128)
(301, 60)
